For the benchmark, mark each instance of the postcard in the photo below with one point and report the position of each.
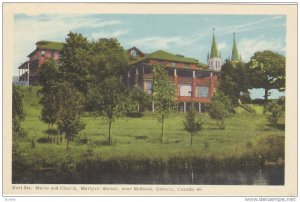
(170, 99)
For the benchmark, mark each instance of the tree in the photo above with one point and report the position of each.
(75, 61)
(49, 73)
(191, 124)
(220, 108)
(49, 77)
(108, 98)
(108, 59)
(234, 80)
(18, 113)
(70, 102)
(163, 95)
(50, 108)
(274, 111)
(267, 70)
(138, 99)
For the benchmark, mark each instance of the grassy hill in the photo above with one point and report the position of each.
(137, 139)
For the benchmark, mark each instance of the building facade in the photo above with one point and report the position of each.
(194, 82)
(29, 70)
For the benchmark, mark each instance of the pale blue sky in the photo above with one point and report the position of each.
(188, 35)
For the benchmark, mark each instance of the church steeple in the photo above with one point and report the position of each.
(235, 54)
(214, 58)
(214, 49)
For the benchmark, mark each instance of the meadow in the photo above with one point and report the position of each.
(137, 140)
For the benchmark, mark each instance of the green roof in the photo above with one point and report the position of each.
(163, 55)
(50, 45)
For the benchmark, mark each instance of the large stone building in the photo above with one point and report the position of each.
(194, 81)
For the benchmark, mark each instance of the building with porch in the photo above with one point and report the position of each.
(29, 70)
(194, 82)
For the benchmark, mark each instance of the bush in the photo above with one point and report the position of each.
(274, 110)
(220, 108)
(270, 147)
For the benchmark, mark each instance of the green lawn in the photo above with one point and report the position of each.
(139, 137)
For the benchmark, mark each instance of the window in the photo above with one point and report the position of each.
(185, 89)
(202, 91)
(52, 54)
(133, 53)
(173, 63)
(43, 53)
(148, 87)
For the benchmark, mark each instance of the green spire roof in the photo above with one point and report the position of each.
(235, 54)
(214, 49)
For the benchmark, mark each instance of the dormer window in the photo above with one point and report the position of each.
(133, 53)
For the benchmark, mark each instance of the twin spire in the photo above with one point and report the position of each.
(235, 54)
(214, 50)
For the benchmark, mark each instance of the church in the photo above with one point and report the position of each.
(194, 82)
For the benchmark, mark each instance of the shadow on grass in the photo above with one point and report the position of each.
(141, 137)
(280, 126)
(213, 128)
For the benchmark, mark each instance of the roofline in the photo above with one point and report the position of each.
(189, 68)
(32, 52)
(42, 49)
(23, 64)
(142, 59)
(134, 47)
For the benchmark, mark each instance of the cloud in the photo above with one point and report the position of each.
(158, 42)
(222, 46)
(250, 26)
(28, 29)
(247, 47)
(114, 34)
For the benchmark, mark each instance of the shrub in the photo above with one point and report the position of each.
(191, 124)
(274, 110)
(270, 147)
(220, 108)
